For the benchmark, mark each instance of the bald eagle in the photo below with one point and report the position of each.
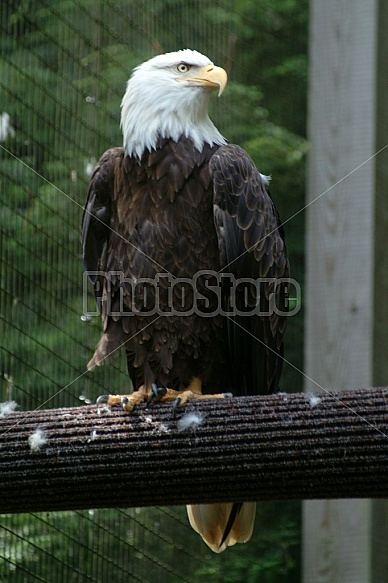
(185, 249)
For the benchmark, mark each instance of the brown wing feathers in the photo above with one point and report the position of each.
(253, 241)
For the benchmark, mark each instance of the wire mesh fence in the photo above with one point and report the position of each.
(63, 69)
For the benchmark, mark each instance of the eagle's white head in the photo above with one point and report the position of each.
(168, 97)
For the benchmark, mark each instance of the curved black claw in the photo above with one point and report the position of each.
(156, 393)
(176, 404)
(125, 403)
(102, 400)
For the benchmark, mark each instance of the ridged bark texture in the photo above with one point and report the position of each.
(283, 446)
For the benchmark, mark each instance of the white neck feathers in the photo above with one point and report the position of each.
(153, 109)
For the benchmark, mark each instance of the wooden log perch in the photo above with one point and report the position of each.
(283, 446)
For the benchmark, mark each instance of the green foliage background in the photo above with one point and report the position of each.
(63, 69)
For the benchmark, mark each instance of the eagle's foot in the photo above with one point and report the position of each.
(191, 393)
(128, 402)
(183, 397)
(194, 392)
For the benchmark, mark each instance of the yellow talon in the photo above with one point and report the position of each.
(127, 401)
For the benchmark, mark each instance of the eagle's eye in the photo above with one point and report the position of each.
(183, 68)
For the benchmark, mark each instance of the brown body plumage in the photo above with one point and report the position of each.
(133, 231)
(161, 214)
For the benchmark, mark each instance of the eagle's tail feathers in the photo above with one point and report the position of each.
(223, 525)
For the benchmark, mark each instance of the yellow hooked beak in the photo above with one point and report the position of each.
(209, 76)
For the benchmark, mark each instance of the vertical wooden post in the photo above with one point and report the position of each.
(347, 259)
